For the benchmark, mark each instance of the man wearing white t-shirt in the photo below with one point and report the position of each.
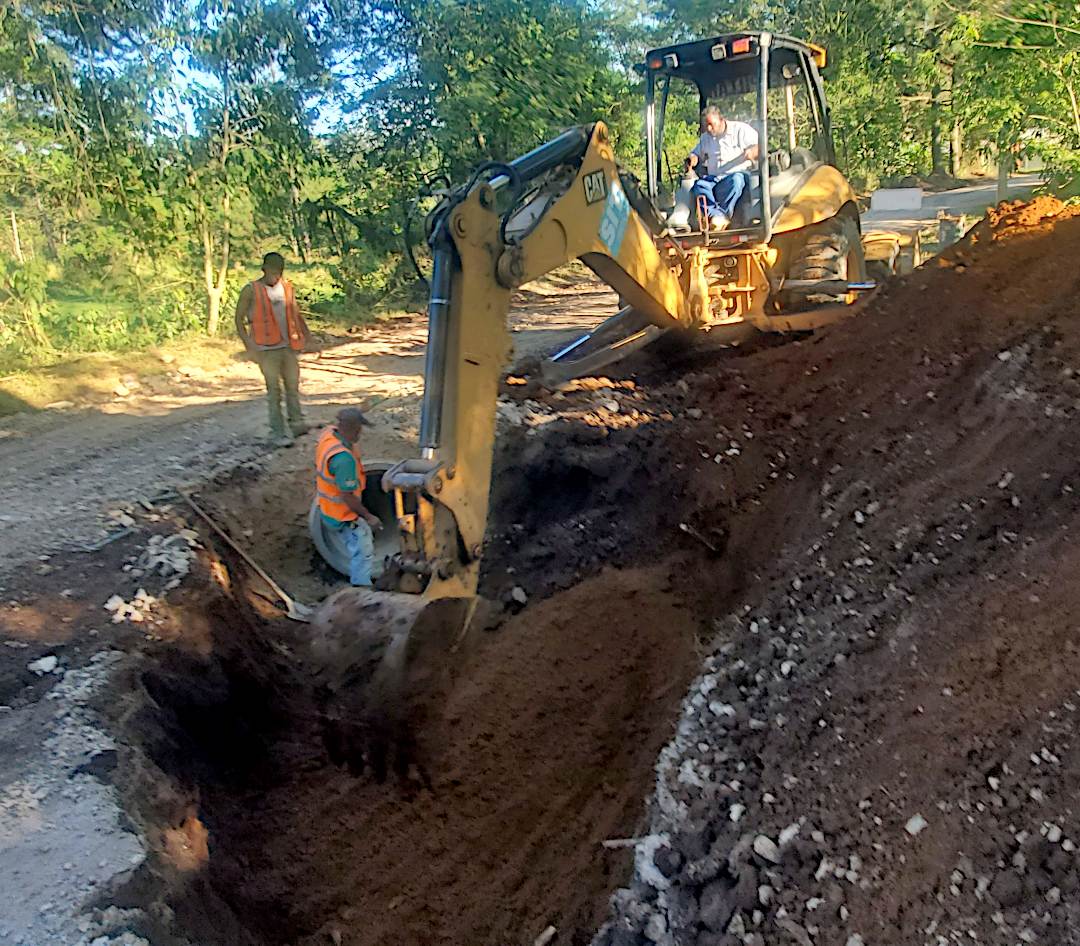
(726, 151)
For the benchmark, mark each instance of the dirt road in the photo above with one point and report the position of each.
(63, 471)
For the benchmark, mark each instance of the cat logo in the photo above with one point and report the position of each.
(595, 187)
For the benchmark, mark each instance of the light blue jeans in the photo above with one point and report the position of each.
(361, 545)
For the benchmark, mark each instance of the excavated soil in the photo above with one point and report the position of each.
(851, 559)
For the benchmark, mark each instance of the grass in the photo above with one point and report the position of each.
(100, 337)
(86, 378)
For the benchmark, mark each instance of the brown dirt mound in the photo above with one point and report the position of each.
(877, 521)
(1007, 221)
(912, 647)
(544, 750)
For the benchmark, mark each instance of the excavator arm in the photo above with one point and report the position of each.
(378, 655)
(580, 209)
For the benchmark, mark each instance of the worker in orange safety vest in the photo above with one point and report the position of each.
(274, 332)
(339, 485)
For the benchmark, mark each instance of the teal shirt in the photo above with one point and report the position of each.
(343, 470)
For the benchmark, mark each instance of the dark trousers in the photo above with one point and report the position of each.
(281, 369)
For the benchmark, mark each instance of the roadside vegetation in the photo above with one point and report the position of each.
(151, 153)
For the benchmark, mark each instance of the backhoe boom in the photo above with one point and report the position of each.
(568, 202)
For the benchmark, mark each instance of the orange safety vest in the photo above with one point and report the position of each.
(265, 330)
(326, 487)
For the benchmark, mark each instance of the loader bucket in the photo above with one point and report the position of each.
(383, 663)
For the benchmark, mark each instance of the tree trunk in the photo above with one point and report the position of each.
(1006, 160)
(213, 298)
(296, 231)
(16, 243)
(937, 165)
(47, 229)
(956, 148)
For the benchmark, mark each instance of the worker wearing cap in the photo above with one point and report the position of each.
(339, 485)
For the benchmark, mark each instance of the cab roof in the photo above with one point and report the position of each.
(724, 59)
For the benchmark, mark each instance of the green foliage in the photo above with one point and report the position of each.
(149, 149)
(96, 324)
(23, 304)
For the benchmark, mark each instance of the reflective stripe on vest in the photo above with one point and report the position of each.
(265, 330)
(326, 488)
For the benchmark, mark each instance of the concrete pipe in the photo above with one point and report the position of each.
(331, 542)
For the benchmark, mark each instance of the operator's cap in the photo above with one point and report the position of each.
(353, 415)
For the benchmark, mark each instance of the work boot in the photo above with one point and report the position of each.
(299, 428)
(278, 438)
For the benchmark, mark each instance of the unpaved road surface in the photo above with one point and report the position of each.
(971, 200)
(797, 665)
(61, 471)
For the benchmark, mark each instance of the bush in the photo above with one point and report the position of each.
(23, 306)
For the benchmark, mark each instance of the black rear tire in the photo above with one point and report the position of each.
(832, 250)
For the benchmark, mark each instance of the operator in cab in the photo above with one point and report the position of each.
(339, 483)
(723, 156)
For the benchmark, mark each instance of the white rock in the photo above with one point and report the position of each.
(644, 865)
(44, 665)
(786, 667)
(114, 603)
(916, 824)
(855, 940)
(735, 812)
(765, 848)
(789, 834)
(519, 595)
(655, 928)
(1053, 834)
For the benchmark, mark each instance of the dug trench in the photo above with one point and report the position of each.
(543, 750)
(799, 624)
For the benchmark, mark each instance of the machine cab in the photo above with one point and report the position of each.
(771, 83)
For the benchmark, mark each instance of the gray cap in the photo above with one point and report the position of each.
(353, 415)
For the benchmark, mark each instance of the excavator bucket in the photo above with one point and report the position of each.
(382, 663)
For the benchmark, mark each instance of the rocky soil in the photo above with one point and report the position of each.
(881, 745)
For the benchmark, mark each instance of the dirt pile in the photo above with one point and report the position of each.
(871, 527)
(881, 748)
(544, 751)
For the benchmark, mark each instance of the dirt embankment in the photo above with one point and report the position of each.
(861, 542)
(881, 748)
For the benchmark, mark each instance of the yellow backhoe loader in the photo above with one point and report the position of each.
(794, 263)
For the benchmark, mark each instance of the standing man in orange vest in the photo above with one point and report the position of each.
(269, 324)
(339, 483)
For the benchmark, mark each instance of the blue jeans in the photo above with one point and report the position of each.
(721, 193)
(361, 545)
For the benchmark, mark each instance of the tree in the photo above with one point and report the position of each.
(252, 65)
